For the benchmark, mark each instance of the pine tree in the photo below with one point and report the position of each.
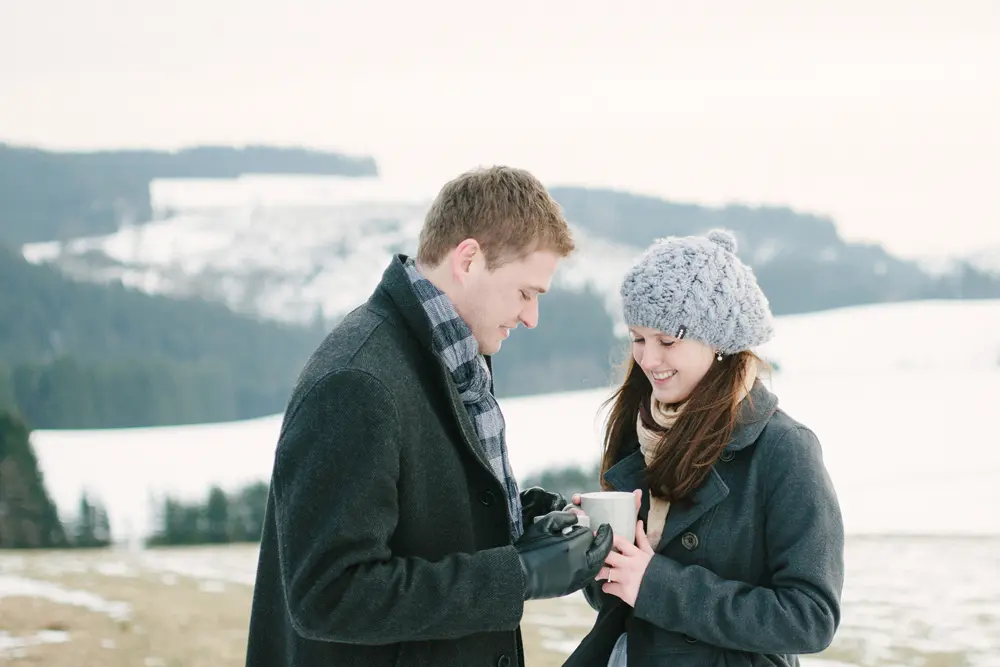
(217, 516)
(93, 528)
(28, 517)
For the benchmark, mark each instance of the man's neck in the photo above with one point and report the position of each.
(437, 277)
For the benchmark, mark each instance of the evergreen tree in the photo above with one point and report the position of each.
(217, 516)
(86, 523)
(92, 529)
(6, 388)
(28, 517)
(247, 510)
(76, 355)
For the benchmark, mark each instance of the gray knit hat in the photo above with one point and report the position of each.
(696, 287)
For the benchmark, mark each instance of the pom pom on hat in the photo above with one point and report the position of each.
(723, 238)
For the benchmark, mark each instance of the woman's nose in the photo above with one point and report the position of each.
(647, 358)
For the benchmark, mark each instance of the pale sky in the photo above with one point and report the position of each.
(881, 113)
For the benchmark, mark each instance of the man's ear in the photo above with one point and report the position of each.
(464, 258)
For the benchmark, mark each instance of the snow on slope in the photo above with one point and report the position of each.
(919, 335)
(283, 255)
(986, 260)
(905, 428)
(284, 248)
(294, 247)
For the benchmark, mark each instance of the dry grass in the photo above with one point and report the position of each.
(201, 621)
(176, 621)
(173, 622)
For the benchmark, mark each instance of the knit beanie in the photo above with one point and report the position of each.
(696, 287)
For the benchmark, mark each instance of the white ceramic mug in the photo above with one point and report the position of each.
(612, 507)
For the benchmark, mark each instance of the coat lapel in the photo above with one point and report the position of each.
(680, 517)
(629, 475)
(396, 285)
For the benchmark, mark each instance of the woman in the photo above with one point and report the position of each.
(738, 558)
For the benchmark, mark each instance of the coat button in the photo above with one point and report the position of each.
(504, 661)
(487, 498)
(727, 456)
(689, 541)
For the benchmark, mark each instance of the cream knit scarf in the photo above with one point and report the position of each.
(665, 417)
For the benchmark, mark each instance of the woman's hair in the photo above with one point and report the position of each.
(688, 450)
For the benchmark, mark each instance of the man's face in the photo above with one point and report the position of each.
(494, 302)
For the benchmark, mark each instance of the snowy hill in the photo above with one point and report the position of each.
(285, 248)
(958, 336)
(298, 248)
(898, 394)
(985, 260)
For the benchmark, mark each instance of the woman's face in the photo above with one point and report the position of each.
(673, 367)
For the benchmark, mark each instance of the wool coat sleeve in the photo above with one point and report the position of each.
(798, 611)
(335, 495)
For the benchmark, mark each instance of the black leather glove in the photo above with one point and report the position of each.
(536, 501)
(555, 564)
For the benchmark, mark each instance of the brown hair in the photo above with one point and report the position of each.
(689, 449)
(507, 210)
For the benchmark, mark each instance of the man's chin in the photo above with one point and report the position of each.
(488, 347)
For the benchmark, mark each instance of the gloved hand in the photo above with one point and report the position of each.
(536, 501)
(555, 564)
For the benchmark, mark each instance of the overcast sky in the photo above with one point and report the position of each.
(881, 113)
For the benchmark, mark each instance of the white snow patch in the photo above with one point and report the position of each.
(12, 586)
(13, 647)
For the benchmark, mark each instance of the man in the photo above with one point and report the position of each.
(395, 533)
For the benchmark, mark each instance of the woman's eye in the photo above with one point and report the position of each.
(637, 340)
(667, 343)
(524, 295)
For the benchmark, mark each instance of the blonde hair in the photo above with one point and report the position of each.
(506, 210)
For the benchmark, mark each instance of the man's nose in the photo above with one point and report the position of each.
(529, 316)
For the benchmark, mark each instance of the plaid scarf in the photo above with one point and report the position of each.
(455, 345)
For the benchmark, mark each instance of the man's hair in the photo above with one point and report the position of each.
(507, 210)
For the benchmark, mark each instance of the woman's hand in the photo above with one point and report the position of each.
(624, 571)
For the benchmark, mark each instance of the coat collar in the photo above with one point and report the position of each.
(628, 473)
(395, 292)
(755, 412)
(395, 288)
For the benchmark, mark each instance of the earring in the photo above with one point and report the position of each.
(718, 356)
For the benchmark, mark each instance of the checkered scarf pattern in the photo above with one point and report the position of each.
(455, 345)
